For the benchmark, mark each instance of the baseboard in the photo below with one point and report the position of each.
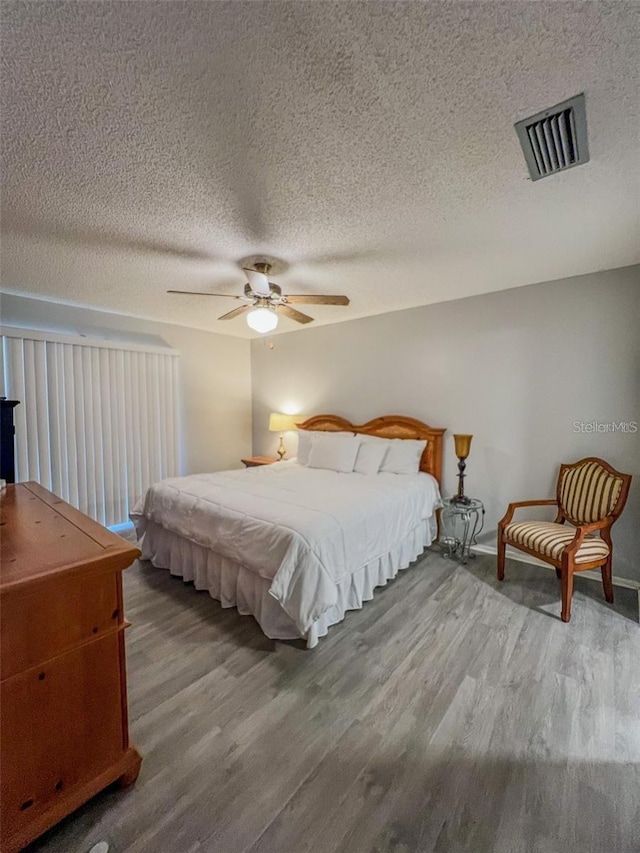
(521, 557)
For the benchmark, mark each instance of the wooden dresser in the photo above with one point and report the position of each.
(63, 700)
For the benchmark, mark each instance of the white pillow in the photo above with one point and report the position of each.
(403, 456)
(305, 440)
(371, 454)
(304, 446)
(335, 451)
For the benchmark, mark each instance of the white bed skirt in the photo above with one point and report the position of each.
(233, 585)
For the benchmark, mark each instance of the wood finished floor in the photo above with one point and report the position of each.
(451, 715)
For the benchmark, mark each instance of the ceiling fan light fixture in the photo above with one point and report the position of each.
(262, 297)
(262, 320)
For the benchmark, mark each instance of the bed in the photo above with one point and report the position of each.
(295, 546)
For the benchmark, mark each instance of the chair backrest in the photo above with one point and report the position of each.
(590, 490)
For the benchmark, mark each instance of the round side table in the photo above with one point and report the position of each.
(460, 526)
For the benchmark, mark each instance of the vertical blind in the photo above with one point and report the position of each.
(97, 422)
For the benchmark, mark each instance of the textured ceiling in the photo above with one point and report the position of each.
(369, 145)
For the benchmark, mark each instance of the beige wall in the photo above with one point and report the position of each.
(516, 369)
(215, 378)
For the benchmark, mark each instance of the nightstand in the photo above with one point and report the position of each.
(254, 461)
(460, 525)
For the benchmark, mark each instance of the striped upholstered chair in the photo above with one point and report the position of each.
(590, 497)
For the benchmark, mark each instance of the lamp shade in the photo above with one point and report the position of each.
(262, 320)
(282, 423)
(463, 445)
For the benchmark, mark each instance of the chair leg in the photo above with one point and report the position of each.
(501, 550)
(566, 584)
(607, 582)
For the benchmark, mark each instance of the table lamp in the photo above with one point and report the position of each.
(463, 446)
(282, 423)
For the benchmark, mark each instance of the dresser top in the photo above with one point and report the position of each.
(42, 535)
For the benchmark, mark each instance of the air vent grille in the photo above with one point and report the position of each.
(555, 139)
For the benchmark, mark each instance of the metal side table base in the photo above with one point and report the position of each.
(461, 525)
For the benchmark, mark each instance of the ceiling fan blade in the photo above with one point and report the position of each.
(259, 282)
(203, 293)
(298, 316)
(308, 299)
(236, 312)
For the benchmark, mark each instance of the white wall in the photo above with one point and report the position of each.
(215, 376)
(516, 369)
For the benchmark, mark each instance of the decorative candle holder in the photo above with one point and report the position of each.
(463, 446)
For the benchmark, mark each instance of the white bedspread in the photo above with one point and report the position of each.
(305, 529)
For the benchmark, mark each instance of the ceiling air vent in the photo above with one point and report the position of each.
(555, 139)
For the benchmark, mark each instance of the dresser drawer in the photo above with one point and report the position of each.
(44, 619)
(61, 726)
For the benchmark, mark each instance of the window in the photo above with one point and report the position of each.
(97, 421)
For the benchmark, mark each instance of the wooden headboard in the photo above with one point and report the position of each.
(389, 426)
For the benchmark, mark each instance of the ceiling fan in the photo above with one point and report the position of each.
(265, 300)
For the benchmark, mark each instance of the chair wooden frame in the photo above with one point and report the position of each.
(565, 566)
